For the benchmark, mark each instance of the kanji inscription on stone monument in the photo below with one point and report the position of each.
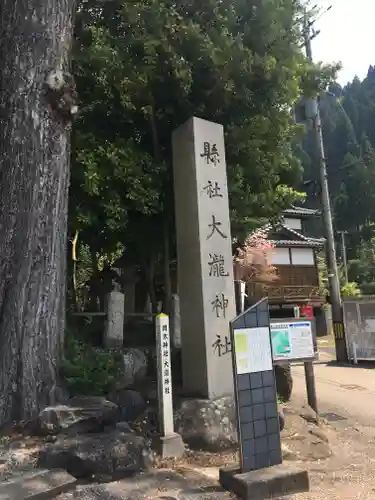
(204, 247)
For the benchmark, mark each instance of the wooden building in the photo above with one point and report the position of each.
(295, 260)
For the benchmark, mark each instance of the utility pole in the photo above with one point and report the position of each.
(344, 258)
(333, 278)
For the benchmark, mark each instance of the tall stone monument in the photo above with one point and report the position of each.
(204, 246)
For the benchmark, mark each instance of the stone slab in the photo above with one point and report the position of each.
(38, 485)
(279, 480)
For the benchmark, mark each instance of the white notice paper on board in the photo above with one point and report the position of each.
(302, 340)
(252, 350)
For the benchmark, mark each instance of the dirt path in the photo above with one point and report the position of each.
(346, 396)
(349, 474)
(346, 390)
(341, 469)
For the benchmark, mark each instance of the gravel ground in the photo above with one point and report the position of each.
(17, 456)
(349, 474)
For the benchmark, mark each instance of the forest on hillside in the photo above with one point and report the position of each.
(348, 117)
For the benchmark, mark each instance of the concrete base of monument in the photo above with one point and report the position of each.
(279, 480)
(170, 446)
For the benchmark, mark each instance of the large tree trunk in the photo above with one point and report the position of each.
(35, 40)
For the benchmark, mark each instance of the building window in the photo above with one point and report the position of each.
(295, 224)
(280, 256)
(302, 257)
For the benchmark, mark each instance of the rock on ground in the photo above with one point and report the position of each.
(308, 414)
(78, 415)
(108, 455)
(207, 424)
(210, 424)
(130, 404)
(124, 427)
(303, 438)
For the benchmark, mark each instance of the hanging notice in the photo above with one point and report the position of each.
(252, 350)
(292, 340)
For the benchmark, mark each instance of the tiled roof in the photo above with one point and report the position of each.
(303, 237)
(300, 243)
(299, 239)
(301, 211)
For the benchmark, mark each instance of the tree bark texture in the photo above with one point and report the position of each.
(35, 39)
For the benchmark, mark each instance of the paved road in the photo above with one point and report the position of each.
(327, 350)
(347, 391)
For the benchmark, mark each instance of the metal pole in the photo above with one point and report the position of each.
(344, 258)
(334, 286)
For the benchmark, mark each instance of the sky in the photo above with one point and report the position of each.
(346, 36)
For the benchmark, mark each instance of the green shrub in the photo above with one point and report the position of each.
(89, 370)
(350, 289)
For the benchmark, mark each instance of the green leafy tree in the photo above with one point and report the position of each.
(144, 68)
(362, 269)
